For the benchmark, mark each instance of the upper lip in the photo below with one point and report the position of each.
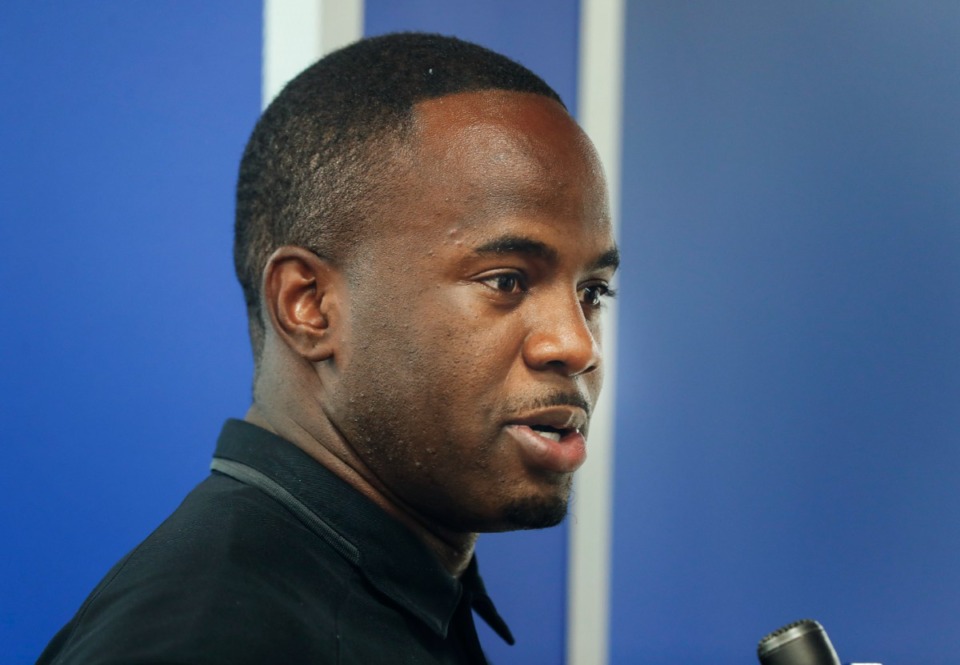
(557, 417)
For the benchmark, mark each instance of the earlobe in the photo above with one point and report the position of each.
(300, 294)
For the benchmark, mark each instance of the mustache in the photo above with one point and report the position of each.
(559, 398)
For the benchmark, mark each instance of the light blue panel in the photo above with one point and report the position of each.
(122, 333)
(525, 572)
(790, 330)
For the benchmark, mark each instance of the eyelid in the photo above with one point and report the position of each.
(523, 281)
(598, 283)
(606, 292)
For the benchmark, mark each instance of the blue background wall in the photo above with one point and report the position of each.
(789, 397)
(122, 343)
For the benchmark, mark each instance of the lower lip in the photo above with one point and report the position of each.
(563, 456)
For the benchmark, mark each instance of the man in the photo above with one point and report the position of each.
(424, 243)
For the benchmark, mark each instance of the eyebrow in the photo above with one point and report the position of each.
(513, 244)
(518, 245)
(609, 259)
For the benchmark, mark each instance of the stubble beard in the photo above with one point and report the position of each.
(396, 451)
(538, 512)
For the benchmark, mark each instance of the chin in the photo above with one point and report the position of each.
(535, 512)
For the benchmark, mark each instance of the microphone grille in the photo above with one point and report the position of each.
(784, 634)
(803, 642)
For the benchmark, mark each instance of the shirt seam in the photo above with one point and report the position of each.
(250, 476)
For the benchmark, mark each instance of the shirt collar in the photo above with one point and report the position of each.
(388, 554)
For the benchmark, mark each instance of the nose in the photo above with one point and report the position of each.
(561, 339)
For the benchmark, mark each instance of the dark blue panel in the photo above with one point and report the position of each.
(790, 357)
(122, 338)
(525, 572)
(540, 34)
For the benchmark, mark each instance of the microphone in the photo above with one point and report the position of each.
(803, 642)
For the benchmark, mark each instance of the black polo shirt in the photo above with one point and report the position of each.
(274, 559)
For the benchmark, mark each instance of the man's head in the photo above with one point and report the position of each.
(423, 239)
(319, 166)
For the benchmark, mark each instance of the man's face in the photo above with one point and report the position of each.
(471, 360)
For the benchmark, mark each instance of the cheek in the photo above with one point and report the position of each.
(464, 336)
(434, 350)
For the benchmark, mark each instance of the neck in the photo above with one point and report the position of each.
(453, 549)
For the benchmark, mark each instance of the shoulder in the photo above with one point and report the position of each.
(230, 577)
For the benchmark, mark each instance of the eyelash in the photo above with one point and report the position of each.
(602, 291)
(519, 282)
(519, 285)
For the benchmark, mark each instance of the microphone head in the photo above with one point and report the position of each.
(803, 642)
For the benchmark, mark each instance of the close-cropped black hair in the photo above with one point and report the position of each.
(317, 167)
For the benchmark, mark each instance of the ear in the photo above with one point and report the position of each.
(302, 294)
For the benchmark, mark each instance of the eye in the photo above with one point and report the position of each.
(506, 282)
(592, 295)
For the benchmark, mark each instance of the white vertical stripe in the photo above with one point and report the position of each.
(599, 100)
(297, 33)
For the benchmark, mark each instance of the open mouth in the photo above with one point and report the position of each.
(552, 433)
(549, 447)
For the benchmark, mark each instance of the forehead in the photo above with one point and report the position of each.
(495, 153)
